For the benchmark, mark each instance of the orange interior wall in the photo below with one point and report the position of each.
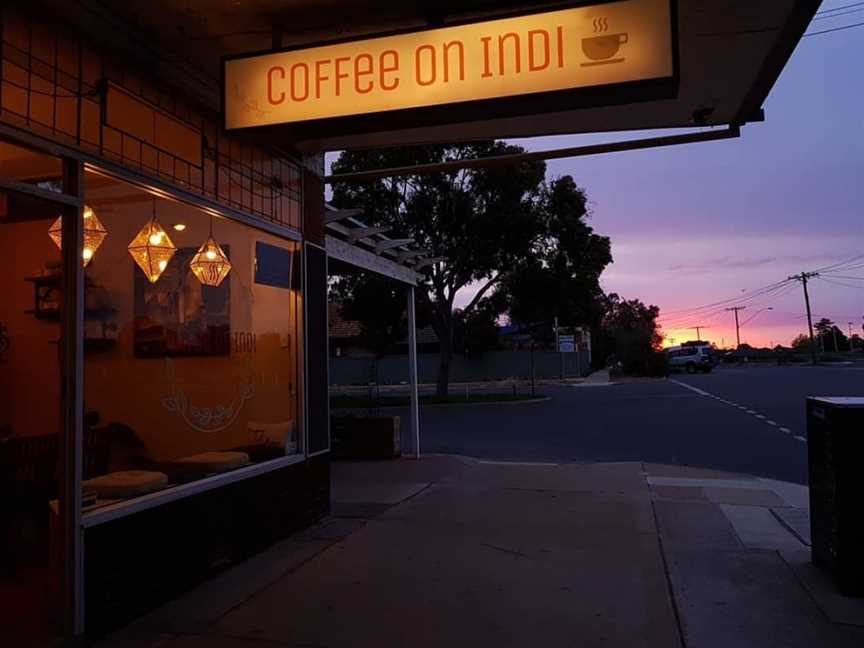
(30, 374)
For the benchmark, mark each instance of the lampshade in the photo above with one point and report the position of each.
(94, 234)
(210, 264)
(152, 249)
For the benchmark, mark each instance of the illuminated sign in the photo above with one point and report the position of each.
(565, 50)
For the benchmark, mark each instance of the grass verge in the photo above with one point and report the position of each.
(347, 402)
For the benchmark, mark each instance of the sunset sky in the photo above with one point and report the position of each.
(704, 223)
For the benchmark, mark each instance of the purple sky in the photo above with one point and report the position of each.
(697, 224)
(701, 223)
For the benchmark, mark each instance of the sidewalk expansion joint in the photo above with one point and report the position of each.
(670, 589)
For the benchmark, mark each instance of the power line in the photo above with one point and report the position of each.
(757, 292)
(756, 297)
(838, 276)
(828, 31)
(848, 6)
(840, 283)
(837, 15)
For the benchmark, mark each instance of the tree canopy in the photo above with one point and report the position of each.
(482, 224)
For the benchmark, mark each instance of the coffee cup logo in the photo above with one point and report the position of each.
(603, 47)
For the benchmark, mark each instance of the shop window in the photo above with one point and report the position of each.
(191, 365)
(30, 418)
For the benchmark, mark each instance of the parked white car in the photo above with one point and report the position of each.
(691, 358)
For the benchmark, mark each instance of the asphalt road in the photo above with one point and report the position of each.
(740, 419)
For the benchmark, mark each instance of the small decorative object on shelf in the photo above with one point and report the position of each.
(94, 234)
(210, 265)
(46, 294)
(100, 318)
(152, 248)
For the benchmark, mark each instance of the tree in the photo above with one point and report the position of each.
(378, 304)
(829, 337)
(477, 332)
(562, 278)
(481, 223)
(632, 332)
(801, 343)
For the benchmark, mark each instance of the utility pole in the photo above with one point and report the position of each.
(737, 326)
(803, 277)
(698, 328)
(850, 337)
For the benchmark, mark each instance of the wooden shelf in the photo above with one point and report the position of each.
(45, 280)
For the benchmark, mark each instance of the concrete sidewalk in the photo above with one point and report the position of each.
(455, 552)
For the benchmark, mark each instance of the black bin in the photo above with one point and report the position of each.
(835, 431)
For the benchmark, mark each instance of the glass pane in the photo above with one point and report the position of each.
(30, 422)
(191, 347)
(23, 165)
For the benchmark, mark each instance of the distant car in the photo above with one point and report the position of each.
(691, 358)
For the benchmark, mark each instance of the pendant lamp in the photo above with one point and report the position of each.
(94, 234)
(152, 248)
(210, 265)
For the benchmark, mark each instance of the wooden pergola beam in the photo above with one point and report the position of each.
(341, 214)
(389, 244)
(365, 232)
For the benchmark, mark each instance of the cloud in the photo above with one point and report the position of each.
(726, 262)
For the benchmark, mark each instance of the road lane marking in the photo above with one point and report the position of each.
(743, 408)
(690, 387)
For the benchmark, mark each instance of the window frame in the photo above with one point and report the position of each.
(75, 165)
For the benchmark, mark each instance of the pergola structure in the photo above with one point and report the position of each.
(350, 241)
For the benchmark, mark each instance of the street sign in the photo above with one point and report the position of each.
(574, 49)
(566, 344)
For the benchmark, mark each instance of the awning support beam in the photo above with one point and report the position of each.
(414, 431)
(732, 131)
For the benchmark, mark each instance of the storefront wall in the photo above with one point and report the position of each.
(185, 413)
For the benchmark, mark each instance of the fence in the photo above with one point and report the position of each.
(495, 365)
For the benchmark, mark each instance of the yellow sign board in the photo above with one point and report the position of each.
(577, 48)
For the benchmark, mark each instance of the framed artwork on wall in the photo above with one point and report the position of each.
(178, 315)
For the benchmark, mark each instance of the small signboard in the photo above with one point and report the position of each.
(567, 50)
(566, 344)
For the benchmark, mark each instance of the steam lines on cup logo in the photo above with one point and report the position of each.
(602, 47)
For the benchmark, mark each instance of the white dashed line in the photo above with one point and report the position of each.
(690, 387)
(743, 408)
